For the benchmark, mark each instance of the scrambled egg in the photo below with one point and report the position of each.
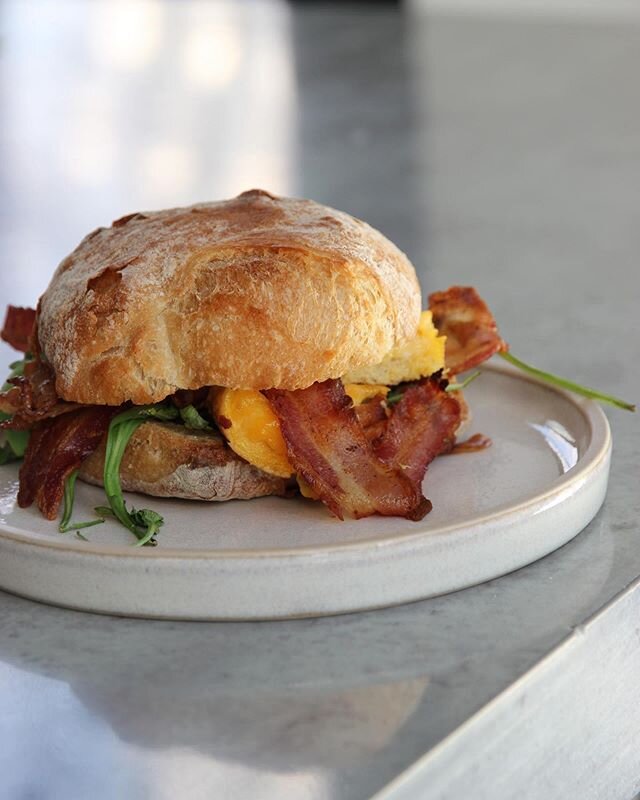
(417, 358)
(254, 431)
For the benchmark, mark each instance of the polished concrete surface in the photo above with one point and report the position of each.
(495, 148)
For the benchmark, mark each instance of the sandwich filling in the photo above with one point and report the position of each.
(361, 443)
(250, 423)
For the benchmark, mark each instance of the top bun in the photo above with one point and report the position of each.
(255, 292)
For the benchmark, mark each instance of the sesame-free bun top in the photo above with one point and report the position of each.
(254, 292)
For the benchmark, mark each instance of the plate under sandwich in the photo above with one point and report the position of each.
(541, 483)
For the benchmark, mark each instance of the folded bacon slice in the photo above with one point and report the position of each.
(421, 426)
(328, 447)
(33, 397)
(56, 448)
(371, 413)
(18, 327)
(460, 314)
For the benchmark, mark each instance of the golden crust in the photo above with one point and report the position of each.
(168, 460)
(254, 292)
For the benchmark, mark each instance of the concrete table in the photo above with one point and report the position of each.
(497, 149)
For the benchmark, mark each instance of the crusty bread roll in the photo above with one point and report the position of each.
(168, 460)
(255, 292)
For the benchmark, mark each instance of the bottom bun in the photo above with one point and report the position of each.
(168, 460)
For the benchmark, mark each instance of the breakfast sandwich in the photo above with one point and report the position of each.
(231, 350)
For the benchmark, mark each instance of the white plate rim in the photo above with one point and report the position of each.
(596, 452)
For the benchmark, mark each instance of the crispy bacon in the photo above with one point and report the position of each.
(56, 448)
(371, 412)
(18, 327)
(421, 426)
(328, 447)
(372, 416)
(33, 397)
(463, 317)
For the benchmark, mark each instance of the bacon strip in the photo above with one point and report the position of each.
(56, 448)
(18, 327)
(329, 448)
(33, 397)
(372, 416)
(371, 412)
(422, 425)
(460, 314)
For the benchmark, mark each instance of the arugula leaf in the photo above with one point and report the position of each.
(104, 511)
(17, 371)
(556, 380)
(397, 391)
(69, 492)
(193, 419)
(456, 387)
(69, 495)
(144, 523)
(15, 442)
(19, 365)
(148, 521)
(394, 396)
(7, 455)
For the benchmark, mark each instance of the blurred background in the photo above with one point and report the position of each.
(456, 126)
(485, 137)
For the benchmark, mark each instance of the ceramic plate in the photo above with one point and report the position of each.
(541, 482)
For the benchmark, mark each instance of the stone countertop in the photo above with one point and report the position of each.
(499, 150)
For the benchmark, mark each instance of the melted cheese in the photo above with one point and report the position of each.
(254, 433)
